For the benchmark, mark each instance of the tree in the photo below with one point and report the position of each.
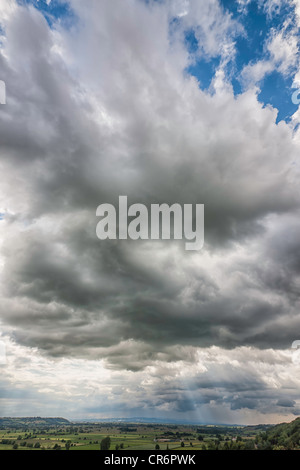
(15, 446)
(182, 444)
(157, 447)
(105, 443)
(68, 445)
(266, 445)
(249, 445)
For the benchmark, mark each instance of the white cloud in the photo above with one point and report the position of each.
(204, 383)
(7, 8)
(281, 55)
(283, 48)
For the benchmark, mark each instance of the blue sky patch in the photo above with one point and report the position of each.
(191, 41)
(204, 71)
(57, 10)
(277, 91)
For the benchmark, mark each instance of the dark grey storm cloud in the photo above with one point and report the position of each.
(104, 109)
(149, 133)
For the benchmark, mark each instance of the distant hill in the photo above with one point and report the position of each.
(157, 421)
(17, 423)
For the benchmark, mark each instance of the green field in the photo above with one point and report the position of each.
(56, 434)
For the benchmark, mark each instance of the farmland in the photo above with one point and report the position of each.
(58, 434)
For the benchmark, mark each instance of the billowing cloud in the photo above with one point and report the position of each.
(105, 107)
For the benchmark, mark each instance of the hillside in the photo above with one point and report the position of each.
(284, 436)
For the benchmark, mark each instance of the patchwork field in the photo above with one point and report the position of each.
(40, 435)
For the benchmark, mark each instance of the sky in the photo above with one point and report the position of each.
(164, 101)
